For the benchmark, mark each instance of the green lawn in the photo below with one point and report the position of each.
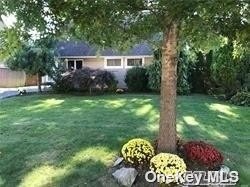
(57, 140)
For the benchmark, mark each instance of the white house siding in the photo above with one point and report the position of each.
(94, 63)
(120, 76)
(148, 60)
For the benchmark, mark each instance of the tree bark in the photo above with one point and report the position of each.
(167, 132)
(39, 82)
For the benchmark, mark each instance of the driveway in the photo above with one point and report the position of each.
(10, 92)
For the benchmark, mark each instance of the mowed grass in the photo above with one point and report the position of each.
(62, 140)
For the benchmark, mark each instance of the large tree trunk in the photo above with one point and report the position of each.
(39, 82)
(167, 131)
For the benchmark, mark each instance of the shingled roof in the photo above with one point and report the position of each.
(75, 48)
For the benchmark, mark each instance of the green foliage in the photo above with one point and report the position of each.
(137, 79)
(241, 99)
(220, 73)
(224, 70)
(33, 60)
(183, 87)
(10, 42)
(200, 72)
(118, 22)
(215, 72)
(154, 75)
(246, 82)
(243, 71)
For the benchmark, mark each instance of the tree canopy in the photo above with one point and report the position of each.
(115, 22)
(36, 59)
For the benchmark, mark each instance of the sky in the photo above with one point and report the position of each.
(9, 20)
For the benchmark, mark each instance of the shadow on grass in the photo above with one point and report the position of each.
(59, 140)
(41, 135)
(223, 125)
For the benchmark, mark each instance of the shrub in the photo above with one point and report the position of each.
(84, 79)
(241, 99)
(203, 154)
(136, 79)
(167, 164)
(243, 73)
(246, 83)
(200, 72)
(137, 152)
(154, 75)
(183, 87)
(81, 79)
(224, 70)
(104, 79)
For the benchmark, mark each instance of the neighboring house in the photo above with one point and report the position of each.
(77, 55)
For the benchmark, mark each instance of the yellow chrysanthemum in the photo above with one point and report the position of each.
(137, 151)
(167, 164)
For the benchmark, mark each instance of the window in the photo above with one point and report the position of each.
(113, 63)
(71, 65)
(78, 64)
(74, 64)
(131, 62)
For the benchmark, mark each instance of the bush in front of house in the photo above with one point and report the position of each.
(154, 75)
(84, 79)
(77, 80)
(137, 152)
(105, 80)
(168, 165)
(136, 79)
(202, 154)
(81, 79)
(241, 99)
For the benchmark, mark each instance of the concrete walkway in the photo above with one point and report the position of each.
(11, 92)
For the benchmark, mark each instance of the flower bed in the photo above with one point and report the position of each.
(202, 154)
(137, 152)
(167, 164)
(140, 154)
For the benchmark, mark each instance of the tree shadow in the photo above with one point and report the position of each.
(221, 124)
(46, 132)
(49, 132)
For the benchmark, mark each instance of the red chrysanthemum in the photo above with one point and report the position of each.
(203, 154)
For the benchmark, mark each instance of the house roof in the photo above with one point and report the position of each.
(75, 48)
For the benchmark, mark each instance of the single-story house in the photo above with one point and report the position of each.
(77, 55)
